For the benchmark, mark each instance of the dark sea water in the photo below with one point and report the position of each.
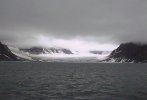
(71, 81)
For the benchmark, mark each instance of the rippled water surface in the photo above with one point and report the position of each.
(70, 81)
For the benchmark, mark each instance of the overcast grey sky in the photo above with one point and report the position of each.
(102, 21)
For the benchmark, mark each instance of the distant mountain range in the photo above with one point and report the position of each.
(42, 50)
(125, 53)
(52, 50)
(99, 52)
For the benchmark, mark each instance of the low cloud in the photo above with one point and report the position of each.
(97, 21)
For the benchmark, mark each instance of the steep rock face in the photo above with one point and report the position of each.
(6, 54)
(129, 52)
(41, 50)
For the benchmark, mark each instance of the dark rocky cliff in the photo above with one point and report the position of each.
(129, 52)
(6, 54)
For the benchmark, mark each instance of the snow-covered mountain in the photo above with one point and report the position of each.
(48, 54)
(56, 54)
(129, 52)
(42, 50)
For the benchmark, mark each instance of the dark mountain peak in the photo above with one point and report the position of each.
(129, 52)
(131, 46)
(6, 54)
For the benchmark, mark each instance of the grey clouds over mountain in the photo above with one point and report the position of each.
(102, 21)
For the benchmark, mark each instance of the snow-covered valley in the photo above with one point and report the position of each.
(59, 55)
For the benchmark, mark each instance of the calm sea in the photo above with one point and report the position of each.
(72, 81)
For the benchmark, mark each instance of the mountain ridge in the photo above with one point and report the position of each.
(43, 50)
(6, 54)
(129, 52)
(125, 53)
